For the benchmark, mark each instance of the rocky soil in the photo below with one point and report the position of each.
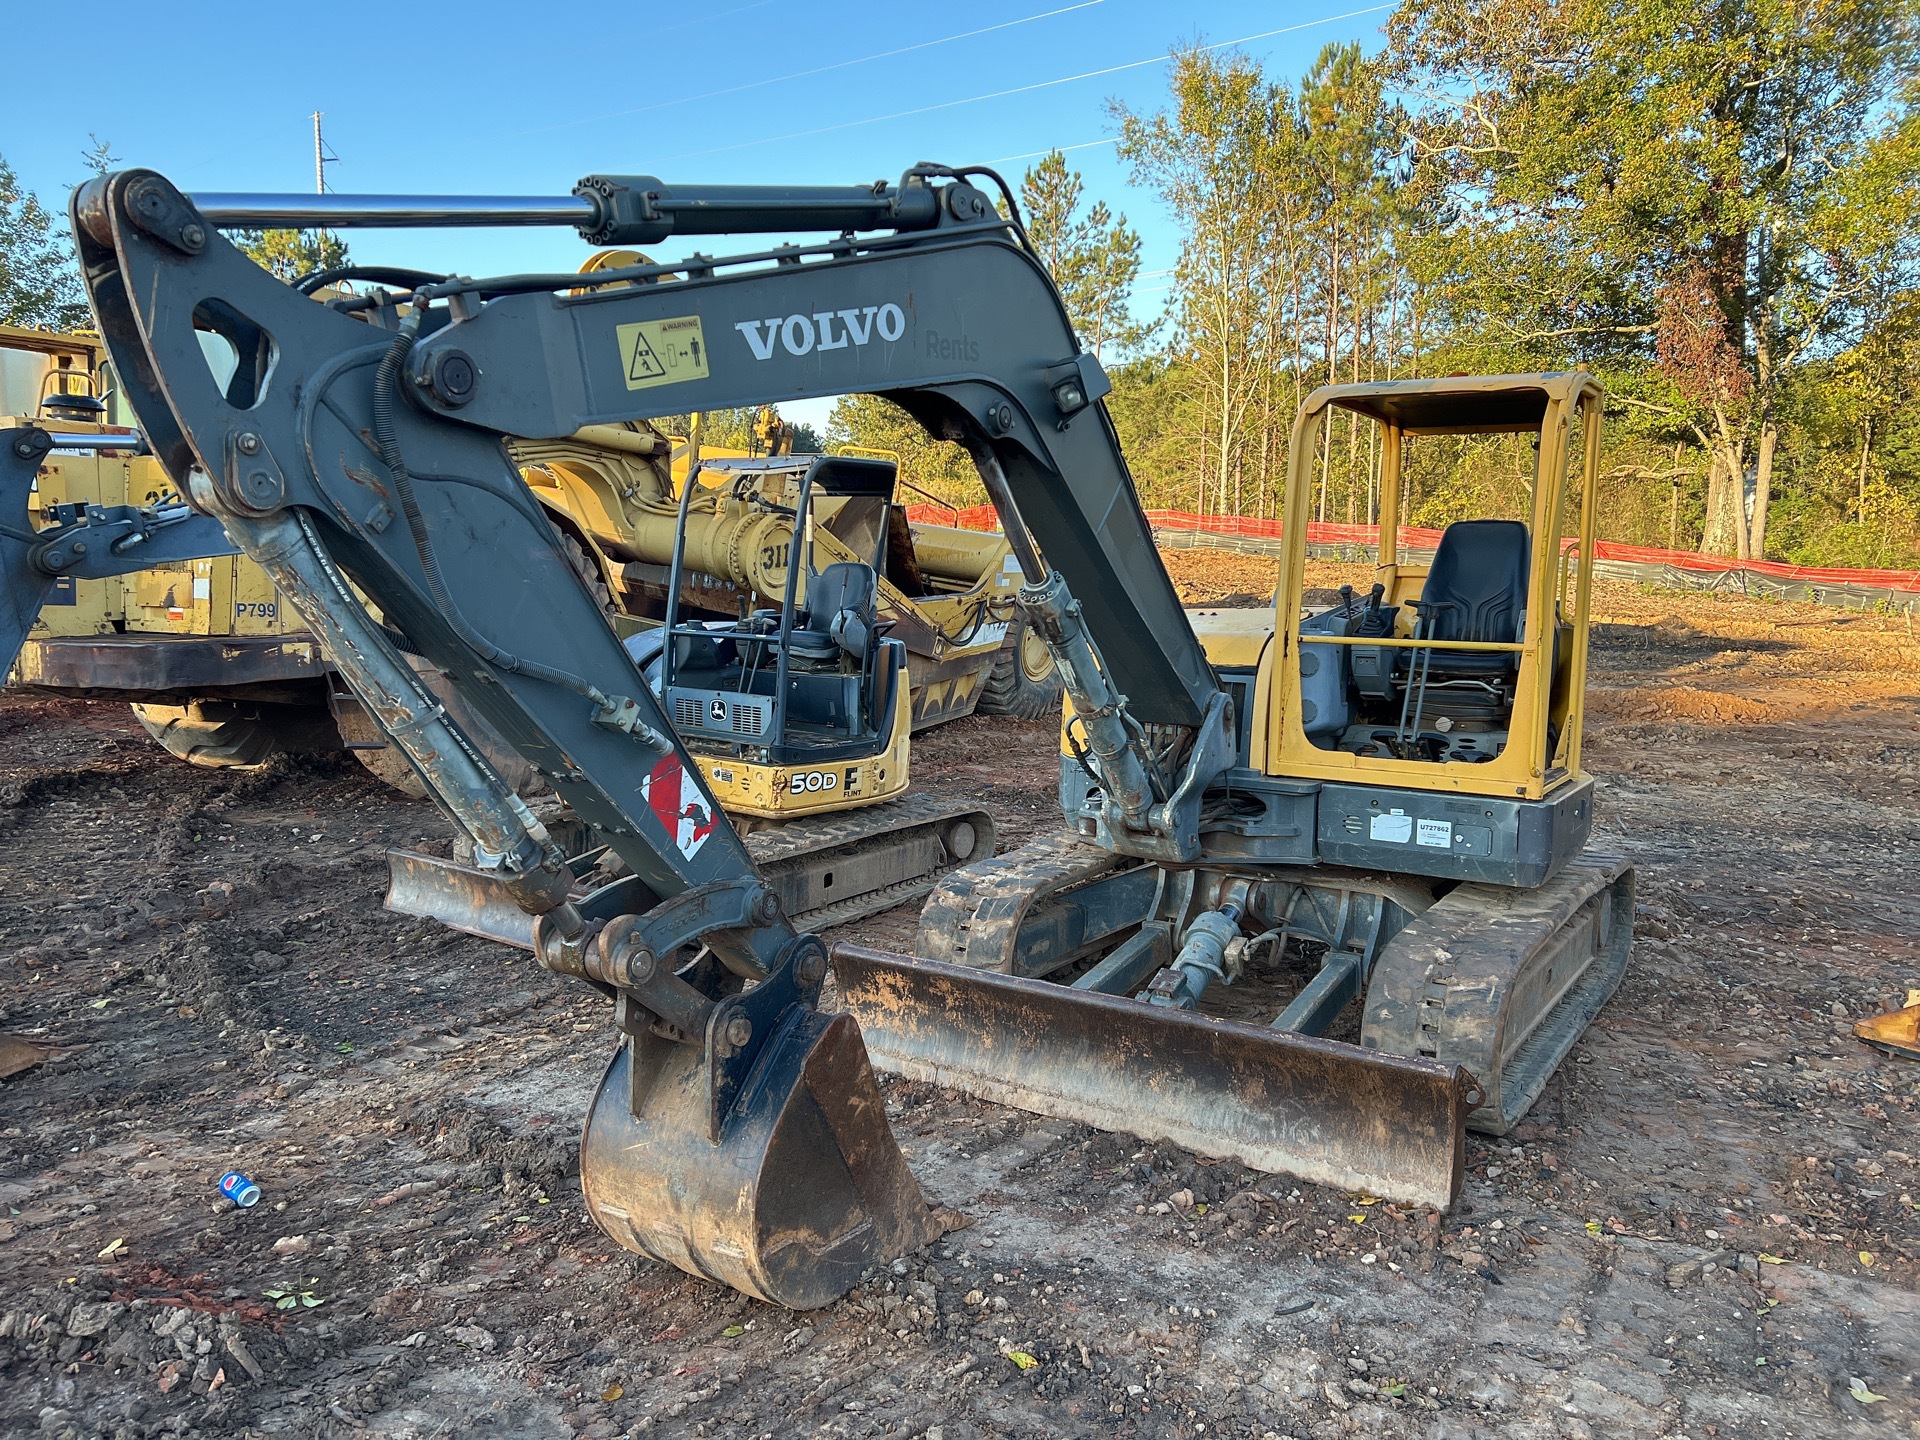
(1708, 1226)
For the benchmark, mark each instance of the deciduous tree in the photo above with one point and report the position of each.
(39, 286)
(1699, 185)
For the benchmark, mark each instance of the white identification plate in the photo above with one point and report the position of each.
(1395, 827)
(1438, 833)
(202, 588)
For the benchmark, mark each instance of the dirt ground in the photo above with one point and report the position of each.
(1707, 1227)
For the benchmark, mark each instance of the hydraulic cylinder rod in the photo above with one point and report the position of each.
(95, 441)
(340, 212)
(1112, 741)
(605, 209)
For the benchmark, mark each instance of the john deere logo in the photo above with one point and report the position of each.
(717, 712)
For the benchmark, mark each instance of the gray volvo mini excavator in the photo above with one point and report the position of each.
(739, 1133)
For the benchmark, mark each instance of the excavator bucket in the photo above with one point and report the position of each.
(1285, 1103)
(804, 1189)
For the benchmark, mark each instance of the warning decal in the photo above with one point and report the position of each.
(675, 799)
(662, 352)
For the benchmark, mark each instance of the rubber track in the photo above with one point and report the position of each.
(974, 915)
(1448, 985)
(795, 844)
(785, 840)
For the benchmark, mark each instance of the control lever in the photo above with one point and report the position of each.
(1377, 620)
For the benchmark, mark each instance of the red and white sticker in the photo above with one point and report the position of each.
(675, 798)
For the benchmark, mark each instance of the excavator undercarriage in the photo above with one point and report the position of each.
(1218, 823)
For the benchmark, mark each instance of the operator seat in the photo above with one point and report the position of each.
(1476, 590)
(840, 615)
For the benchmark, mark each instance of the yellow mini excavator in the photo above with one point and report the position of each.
(1389, 792)
(1403, 822)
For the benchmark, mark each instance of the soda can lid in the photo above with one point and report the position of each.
(248, 1194)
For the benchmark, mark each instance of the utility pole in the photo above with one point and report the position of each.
(322, 157)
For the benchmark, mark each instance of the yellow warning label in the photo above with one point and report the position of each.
(662, 352)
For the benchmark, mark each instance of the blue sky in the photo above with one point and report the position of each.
(495, 98)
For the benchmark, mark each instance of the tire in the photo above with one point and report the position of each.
(387, 765)
(588, 569)
(392, 768)
(1023, 682)
(237, 735)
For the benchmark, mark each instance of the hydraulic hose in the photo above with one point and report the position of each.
(495, 818)
(379, 274)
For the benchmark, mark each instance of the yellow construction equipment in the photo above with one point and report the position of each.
(1401, 831)
(1897, 1032)
(222, 674)
(217, 669)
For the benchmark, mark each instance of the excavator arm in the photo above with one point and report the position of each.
(82, 542)
(342, 454)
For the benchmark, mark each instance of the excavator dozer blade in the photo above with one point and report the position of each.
(461, 897)
(805, 1189)
(827, 869)
(1289, 1104)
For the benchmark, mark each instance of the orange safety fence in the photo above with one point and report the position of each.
(1710, 571)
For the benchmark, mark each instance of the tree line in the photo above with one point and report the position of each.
(1713, 204)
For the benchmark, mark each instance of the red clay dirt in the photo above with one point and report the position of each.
(1708, 1226)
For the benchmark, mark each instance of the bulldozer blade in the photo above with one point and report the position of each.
(1297, 1105)
(460, 897)
(805, 1189)
(877, 858)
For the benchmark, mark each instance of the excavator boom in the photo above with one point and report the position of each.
(321, 467)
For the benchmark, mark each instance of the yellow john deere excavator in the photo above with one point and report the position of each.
(222, 673)
(1397, 787)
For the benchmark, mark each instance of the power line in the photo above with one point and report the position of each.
(654, 33)
(1017, 89)
(1063, 149)
(806, 74)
